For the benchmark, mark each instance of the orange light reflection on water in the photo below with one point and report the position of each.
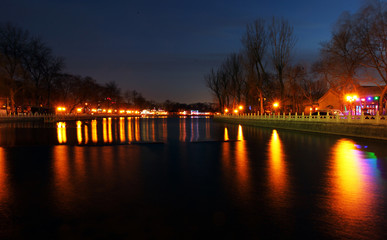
(86, 134)
(3, 179)
(130, 135)
(104, 132)
(241, 162)
(226, 138)
(137, 129)
(61, 132)
(79, 131)
(63, 186)
(94, 135)
(110, 135)
(277, 171)
(351, 188)
(122, 129)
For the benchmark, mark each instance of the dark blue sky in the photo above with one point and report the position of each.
(163, 48)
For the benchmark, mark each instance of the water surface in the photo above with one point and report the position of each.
(187, 178)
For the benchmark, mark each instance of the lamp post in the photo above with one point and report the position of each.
(350, 99)
(275, 106)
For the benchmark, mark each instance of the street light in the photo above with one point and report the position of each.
(240, 107)
(350, 99)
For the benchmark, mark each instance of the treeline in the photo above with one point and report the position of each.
(264, 72)
(32, 76)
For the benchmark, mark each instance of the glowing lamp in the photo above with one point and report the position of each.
(240, 107)
(275, 104)
(61, 109)
(376, 98)
(236, 111)
(79, 110)
(369, 99)
(226, 110)
(363, 99)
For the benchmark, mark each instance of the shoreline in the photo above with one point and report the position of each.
(362, 130)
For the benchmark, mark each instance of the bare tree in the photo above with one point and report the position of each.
(295, 77)
(13, 42)
(371, 30)
(41, 66)
(255, 43)
(282, 42)
(233, 69)
(214, 84)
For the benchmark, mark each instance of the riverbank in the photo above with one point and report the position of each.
(57, 117)
(344, 128)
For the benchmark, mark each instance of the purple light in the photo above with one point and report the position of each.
(369, 99)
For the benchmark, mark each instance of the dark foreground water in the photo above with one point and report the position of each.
(183, 178)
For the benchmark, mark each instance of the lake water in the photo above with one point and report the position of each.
(187, 178)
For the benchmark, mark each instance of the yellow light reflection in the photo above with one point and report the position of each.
(241, 164)
(110, 135)
(104, 132)
(351, 192)
(277, 172)
(130, 136)
(94, 135)
(137, 129)
(79, 131)
(122, 129)
(61, 132)
(226, 134)
(240, 133)
(86, 134)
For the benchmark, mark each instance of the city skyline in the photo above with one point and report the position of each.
(163, 49)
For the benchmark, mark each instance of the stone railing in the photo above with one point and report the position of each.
(362, 119)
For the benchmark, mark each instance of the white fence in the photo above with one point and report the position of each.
(361, 119)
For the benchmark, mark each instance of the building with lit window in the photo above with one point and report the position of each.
(365, 99)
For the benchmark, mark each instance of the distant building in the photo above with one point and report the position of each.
(3, 106)
(366, 99)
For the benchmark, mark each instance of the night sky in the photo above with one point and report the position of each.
(164, 48)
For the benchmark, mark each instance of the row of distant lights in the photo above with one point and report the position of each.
(79, 110)
(352, 98)
(111, 111)
(240, 108)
